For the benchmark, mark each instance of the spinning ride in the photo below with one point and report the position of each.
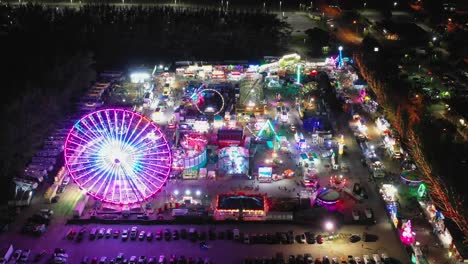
(118, 156)
(208, 101)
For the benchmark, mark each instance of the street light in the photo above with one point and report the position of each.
(376, 49)
(187, 192)
(329, 226)
(340, 59)
(280, 5)
(198, 192)
(176, 192)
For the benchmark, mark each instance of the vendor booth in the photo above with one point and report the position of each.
(265, 174)
(241, 207)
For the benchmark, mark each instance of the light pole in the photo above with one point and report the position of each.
(280, 5)
(340, 59)
(329, 227)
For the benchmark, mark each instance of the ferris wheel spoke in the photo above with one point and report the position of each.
(110, 127)
(133, 130)
(152, 177)
(86, 133)
(158, 172)
(139, 134)
(124, 138)
(98, 123)
(106, 182)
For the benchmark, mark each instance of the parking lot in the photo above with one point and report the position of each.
(234, 251)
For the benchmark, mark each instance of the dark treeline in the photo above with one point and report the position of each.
(49, 56)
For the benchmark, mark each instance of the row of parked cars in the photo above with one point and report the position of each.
(134, 233)
(308, 259)
(162, 259)
(281, 238)
(192, 234)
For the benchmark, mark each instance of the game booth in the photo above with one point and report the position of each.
(265, 174)
(233, 161)
(191, 155)
(310, 178)
(241, 207)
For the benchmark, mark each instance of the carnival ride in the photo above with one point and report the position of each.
(118, 156)
(208, 101)
(192, 152)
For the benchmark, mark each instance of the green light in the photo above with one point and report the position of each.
(422, 190)
(298, 73)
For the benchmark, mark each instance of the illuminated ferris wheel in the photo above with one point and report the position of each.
(118, 156)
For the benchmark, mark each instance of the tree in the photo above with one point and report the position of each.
(317, 39)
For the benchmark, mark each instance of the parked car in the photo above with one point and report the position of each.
(71, 233)
(175, 235)
(368, 212)
(125, 234)
(319, 239)
(85, 260)
(167, 234)
(66, 181)
(109, 232)
(25, 256)
(116, 233)
(142, 260)
(101, 232)
(149, 236)
(301, 238)
(159, 234)
(355, 215)
(142, 235)
(376, 258)
(133, 233)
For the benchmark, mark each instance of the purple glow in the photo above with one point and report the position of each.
(118, 156)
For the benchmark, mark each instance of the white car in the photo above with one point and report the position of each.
(124, 234)
(66, 181)
(368, 213)
(376, 258)
(142, 235)
(356, 215)
(366, 259)
(109, 232)
(101, 232)
(132, 260)
(302, 238)
(358, 260)
(384, 256)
